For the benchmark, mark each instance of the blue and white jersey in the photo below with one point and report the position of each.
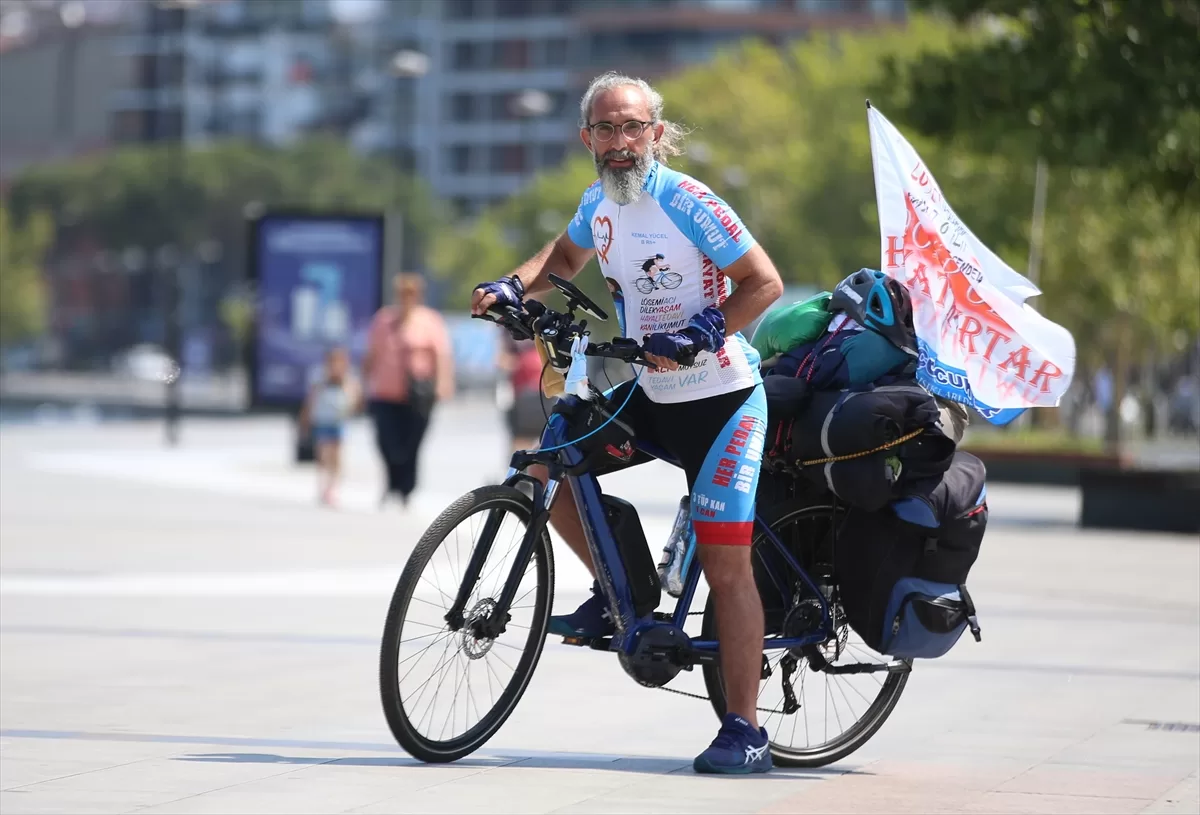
(662, 258)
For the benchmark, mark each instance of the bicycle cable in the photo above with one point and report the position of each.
(606, 422)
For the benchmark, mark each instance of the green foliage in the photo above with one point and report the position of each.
(782, 135)
(23, 246)
(150, 195)
(1090, 83)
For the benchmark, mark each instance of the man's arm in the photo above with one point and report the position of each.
(561, 256)
(758, 286)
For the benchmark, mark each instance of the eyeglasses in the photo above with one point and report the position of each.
(631, 130)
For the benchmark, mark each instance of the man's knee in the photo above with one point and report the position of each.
(726, 568)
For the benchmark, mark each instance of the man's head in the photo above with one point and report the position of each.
(409, 290)
(621, 125)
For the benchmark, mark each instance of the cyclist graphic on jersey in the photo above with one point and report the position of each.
(658, 275)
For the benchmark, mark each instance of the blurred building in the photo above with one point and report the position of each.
(56, 76)
(266, 70)
(486, 91)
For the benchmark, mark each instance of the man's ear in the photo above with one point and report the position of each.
(585, 136)
(659, 129)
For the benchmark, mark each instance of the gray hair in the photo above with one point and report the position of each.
(671, 143)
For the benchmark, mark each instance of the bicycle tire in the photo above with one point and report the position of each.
(644, 285)
(414, 743)
(854, 737)
(671, 280)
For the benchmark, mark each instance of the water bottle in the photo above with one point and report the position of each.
(677, 554)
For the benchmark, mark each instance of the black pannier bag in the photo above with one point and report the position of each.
(902, 570)
(860, 430)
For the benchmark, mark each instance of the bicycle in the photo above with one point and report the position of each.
(792, 553)
(665, 279)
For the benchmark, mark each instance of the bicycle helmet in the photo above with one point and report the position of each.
(880, 303)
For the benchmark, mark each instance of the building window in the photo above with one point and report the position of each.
(462, 107)
(553, 154)
(129, 126)
(507, 158)
(556, 52)
(500, 107)
(463, 9)
(464, 55)
(512, 54)
(459, 158)
(514, 8)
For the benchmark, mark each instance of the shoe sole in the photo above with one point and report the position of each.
(708, 768)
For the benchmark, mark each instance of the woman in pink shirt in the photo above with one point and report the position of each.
(409, 367)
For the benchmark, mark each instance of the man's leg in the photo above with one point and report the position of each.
(564, 518)
(739, 624)
(723, 492)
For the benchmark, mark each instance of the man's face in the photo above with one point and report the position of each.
(623, 164)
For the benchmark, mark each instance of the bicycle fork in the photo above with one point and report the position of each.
(493, 625)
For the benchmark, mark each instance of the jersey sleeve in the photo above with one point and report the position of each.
(710, 223)
(580, 228)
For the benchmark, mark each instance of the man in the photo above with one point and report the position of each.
(711, 416)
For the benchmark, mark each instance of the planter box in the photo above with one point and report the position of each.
(1144, 500)
(1040, 467)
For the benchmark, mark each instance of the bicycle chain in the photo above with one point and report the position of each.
(699, 696)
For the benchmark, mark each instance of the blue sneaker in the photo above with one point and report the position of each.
(738, 748)
(590, 620)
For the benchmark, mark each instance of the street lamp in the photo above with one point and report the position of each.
(530, 105)
(411, 65)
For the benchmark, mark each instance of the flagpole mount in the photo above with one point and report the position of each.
(868, 104)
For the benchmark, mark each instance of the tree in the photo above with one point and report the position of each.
(1091, 83)
(23, 246)
(792, 157)
(122, 198)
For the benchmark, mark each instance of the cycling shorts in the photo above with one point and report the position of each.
(718, 442)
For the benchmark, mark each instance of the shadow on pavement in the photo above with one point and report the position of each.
(555, 761)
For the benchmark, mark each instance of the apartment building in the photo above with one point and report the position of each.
(266, 70)
(492, 98)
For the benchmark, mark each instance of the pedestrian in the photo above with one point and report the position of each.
(329, 404)
(526, 409)
(409, 367)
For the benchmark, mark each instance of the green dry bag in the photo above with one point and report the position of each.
(790, 326)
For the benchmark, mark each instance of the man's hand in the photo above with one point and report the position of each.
(704, 332)
(506, 291)
(664, 350)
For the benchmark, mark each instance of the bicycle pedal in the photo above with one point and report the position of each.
(580, 641)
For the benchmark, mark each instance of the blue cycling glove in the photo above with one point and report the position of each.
(704, 332)
(508, 291)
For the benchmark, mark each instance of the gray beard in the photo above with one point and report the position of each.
(621, 186)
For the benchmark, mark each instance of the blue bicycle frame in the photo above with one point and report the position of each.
(606, 555)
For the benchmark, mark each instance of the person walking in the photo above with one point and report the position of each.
(409, 368)
(330, 403)
(526, 409)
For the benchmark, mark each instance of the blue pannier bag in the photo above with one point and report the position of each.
(902, 571)
(924, 619)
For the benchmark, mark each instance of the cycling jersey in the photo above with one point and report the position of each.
(697, 235)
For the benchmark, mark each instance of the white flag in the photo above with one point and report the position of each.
(980, 343)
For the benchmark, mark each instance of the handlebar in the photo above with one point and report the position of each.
(559, 331)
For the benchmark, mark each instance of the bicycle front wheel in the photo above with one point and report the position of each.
(446, 692)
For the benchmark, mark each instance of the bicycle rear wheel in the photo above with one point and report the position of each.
(856, 705)
(425, 666)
